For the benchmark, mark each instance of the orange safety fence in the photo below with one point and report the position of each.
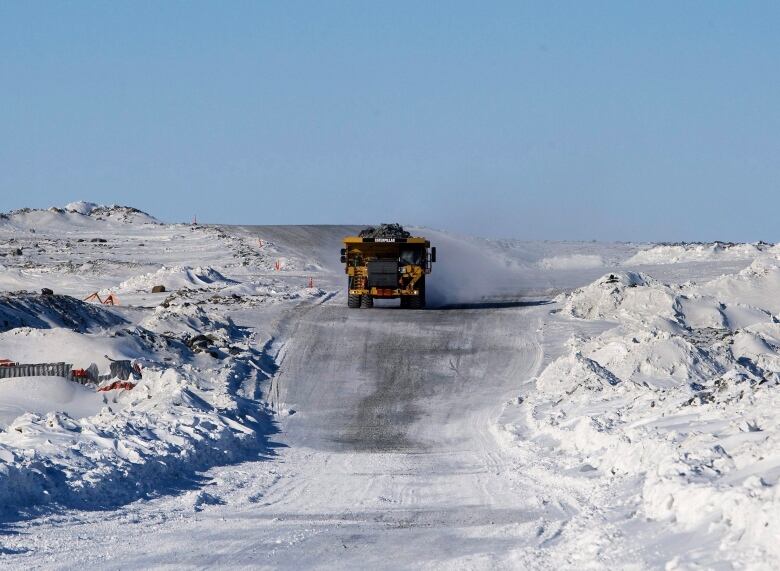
(117, 385)
(111, 299)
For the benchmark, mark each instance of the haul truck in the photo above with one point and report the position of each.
(382, 264)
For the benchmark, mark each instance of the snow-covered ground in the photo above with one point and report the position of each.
(562, 405)
(67, 444)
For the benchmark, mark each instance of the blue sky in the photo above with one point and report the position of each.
(534, 120)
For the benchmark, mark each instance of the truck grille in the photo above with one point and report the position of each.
(383, 273)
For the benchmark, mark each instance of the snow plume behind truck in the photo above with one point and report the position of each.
(387, 262)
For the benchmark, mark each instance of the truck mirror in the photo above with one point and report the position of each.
(343, 259)
(433, 254)
(343, 251)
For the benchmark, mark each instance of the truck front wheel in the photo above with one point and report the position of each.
(353, 301)
(366, 301)
(416, 302)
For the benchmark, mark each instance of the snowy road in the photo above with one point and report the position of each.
(402, 381)
(390, 458)
(400, 439)
(395, 409)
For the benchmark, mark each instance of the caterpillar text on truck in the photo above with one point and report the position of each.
(387, 262)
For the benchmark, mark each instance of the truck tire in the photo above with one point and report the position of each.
(353, 301)
(366, 301)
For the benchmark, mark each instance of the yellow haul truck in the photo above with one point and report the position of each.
(387, 263)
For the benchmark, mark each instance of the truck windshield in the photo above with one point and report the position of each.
(411, 256)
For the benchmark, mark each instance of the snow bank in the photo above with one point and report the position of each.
(197, 404)
(64, 443)
(636, 297)
(276, 290)
(758, 284)
(619, 294)
(683, 393)
(167, 427)
(28, 345)
(118, 213)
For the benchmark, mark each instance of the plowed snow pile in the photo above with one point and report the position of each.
(682, 392)
(64, 443)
